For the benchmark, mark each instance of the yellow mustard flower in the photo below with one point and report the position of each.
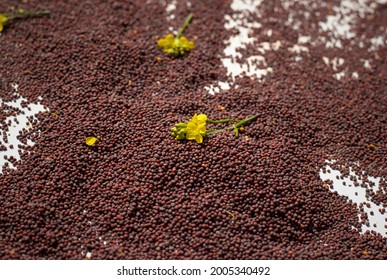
(3, 20)
(196, 128)
(178, 45)
(175, 45)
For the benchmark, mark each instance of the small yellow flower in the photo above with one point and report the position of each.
(3, 20)
(90, 141)
(196, 128)
(175, 45)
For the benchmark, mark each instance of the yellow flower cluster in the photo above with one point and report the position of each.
(178, 45)
(175, 45)
(3, 20)
(194, 129)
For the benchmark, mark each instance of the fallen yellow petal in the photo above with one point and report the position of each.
(90, 141)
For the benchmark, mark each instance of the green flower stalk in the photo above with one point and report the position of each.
(179, 45)
(195, 128)
(179, 131)
(19, 14)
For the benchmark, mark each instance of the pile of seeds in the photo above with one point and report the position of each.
(140, 194)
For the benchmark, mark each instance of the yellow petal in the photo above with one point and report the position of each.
(166, 42)
(190, 136)
(202, 117)
(194, 118)
(1, 27)
(161, 43)
(191, 126)
(202, 129)
(170, 36)
(90, 141)
(199, 138)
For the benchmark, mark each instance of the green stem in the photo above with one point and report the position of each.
(242, 122)
(213, 132)
(235, 126)
(220, 121)
(239, 124)
(37, 14)
(185, 24)
(19, 15)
